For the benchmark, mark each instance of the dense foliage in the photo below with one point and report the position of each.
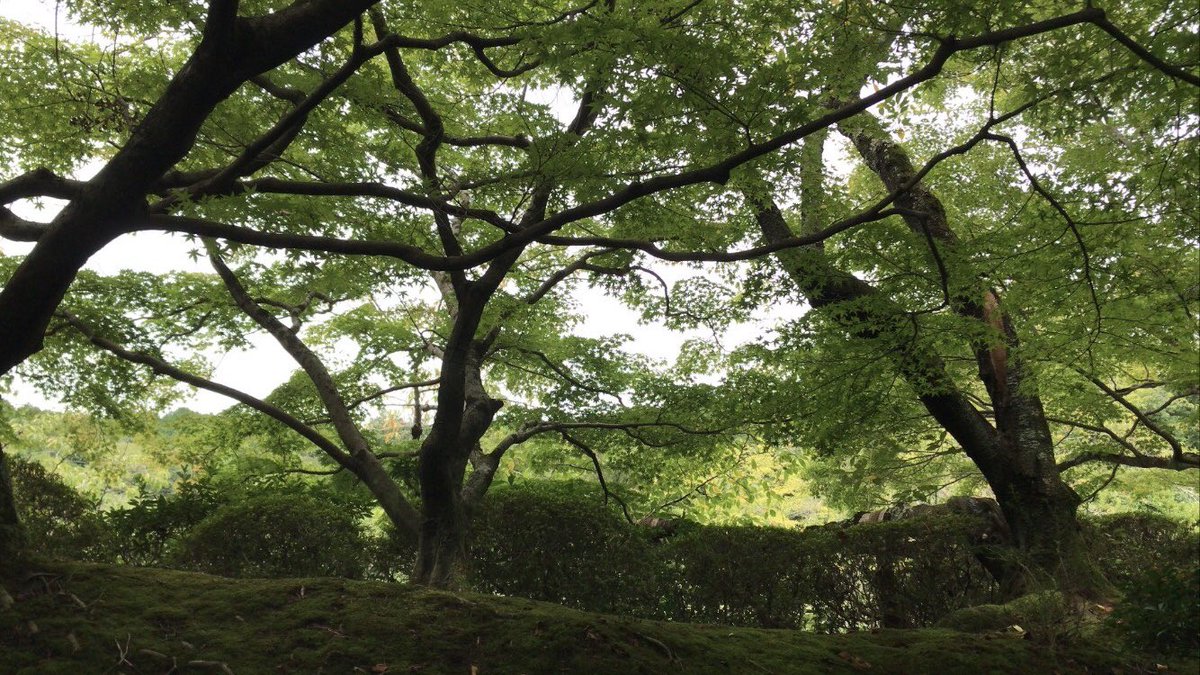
(735, 263)
(560, 542)
(58, 520)
(1156, 563)
(275, 535)
(980, 223)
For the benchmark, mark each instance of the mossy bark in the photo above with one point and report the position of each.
(1014, 450)
(12, 536)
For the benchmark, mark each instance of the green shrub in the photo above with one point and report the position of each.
(1160, 609)
(390, 556)
(1125, 544)
(145, 531)
(59, 522)
(901, 574)
(276, 535)
(559, 542)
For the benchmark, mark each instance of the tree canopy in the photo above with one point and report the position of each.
(990, 211)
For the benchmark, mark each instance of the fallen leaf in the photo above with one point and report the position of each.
(854, 661)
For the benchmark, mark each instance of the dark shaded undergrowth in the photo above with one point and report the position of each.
(86, 618)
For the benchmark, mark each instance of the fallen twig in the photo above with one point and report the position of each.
(662, 646)
(123, 652)
(220, 665)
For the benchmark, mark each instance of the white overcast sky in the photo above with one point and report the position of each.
(262, 364)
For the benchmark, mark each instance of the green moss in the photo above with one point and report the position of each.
(89, 617)
(1034, 610)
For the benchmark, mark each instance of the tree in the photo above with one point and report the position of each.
(11, 535)
(1008, 434)
(666, 154)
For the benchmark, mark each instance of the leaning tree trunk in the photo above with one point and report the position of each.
(1015, 456)
(1018, 459)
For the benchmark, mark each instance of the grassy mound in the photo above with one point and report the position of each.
(77, 618)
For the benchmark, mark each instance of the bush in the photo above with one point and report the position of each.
(145, 531)
(390, 556)
(898, 574)
(1160, 609)
(558, 542)
(59, 522)
(1124, 544)
(276, 535)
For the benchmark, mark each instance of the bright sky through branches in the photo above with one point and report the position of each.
(263, 365)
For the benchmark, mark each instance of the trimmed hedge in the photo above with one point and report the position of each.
(58, 521)
(559, 543)
(275, 535)
(895, 574)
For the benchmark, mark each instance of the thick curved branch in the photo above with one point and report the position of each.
(1145, 54)
(1177, 452)
(1183, 463)
(220, 64)
(161, 367)
(15, 228)
(271, 144)
(366, 464)
(40, 183)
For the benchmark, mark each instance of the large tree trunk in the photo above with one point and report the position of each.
(12, 539)
(464, 414)
(1040, 508)
(1016, 454)
(1018, 460)
(442, 560)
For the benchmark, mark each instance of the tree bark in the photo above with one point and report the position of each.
(12, 539)
(442, 553)
(1019, 466)
(1015, 457)
(233, 50)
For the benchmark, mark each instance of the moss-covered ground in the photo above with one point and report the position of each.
(77, 618)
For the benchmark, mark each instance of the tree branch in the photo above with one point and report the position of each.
(161, 367)
(1145, 54)
(366, 464)
(591, 454)
(1182, 463)
(1177, 453)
